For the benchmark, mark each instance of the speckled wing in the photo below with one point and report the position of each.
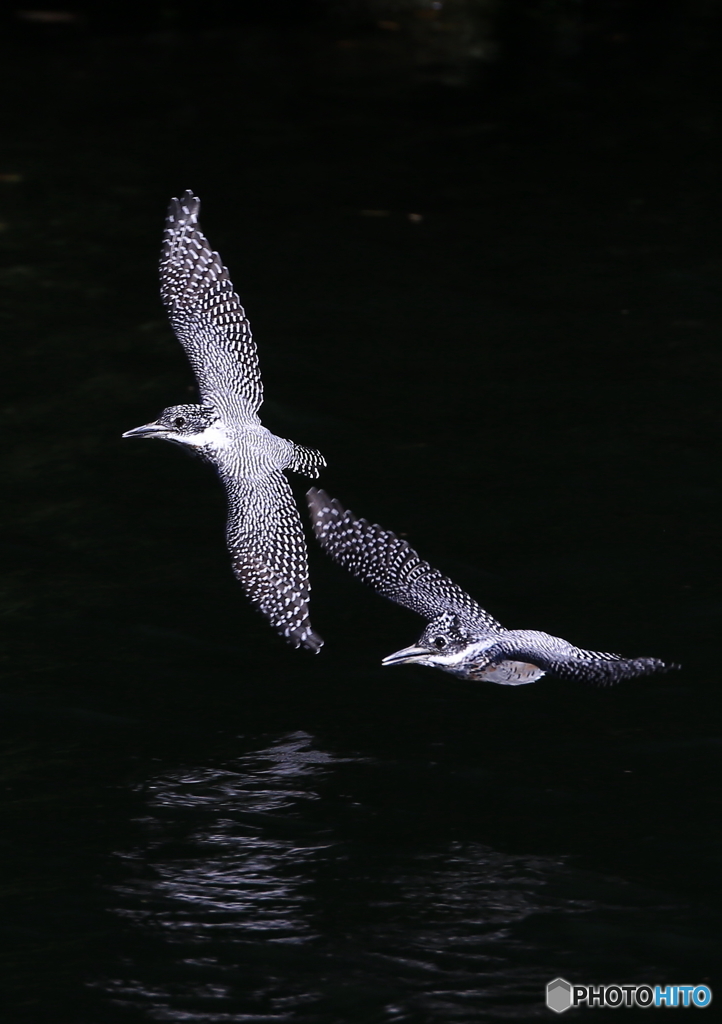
(207, 315)
(268, 553)
(602, 669)
(388, 564)
(562, 659)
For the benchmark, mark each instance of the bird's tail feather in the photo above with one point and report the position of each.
(307, 461)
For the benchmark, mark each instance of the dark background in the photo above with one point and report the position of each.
(478, 245)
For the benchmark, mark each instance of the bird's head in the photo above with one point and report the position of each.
(193, 426)
(445, 643)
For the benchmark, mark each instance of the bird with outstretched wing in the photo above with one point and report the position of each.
(461, 637)
(264, 532)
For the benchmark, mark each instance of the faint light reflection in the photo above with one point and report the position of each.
(262, 907)
(244, 871)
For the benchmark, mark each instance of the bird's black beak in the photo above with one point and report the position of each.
(408, 654)
(147, 430)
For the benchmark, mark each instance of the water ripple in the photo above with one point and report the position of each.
(249, 899)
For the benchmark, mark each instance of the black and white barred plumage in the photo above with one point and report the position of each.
(264, 533)
(461, 637)
(207, 316)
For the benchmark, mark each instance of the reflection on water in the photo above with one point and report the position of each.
(257, 894)
(242, 868)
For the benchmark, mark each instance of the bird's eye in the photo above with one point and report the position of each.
(179, 421)
(440, 642)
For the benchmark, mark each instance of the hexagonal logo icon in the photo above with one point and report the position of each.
(559, 995)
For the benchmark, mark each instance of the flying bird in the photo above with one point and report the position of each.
(461, 637)
(264, 533)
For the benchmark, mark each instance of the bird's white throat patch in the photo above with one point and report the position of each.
(455, 657)
(212, 437)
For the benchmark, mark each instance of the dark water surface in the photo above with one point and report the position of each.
(202, 825)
